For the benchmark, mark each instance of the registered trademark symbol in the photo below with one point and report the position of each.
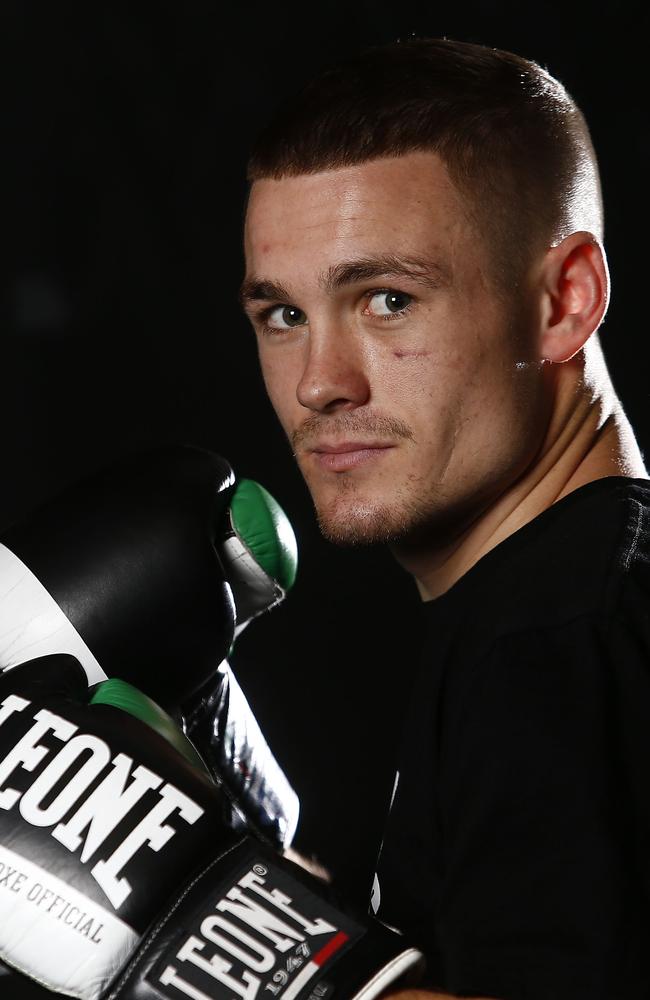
(260, 870)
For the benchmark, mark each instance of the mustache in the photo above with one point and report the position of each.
(355, 425)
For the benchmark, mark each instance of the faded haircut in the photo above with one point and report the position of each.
(514, 142)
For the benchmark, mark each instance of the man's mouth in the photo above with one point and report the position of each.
(341, 456)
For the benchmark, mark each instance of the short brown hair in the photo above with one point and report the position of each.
(514, 142)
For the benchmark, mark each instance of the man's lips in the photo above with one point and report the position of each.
(342, 455)
(337, 448)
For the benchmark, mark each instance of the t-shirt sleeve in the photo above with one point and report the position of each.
(545, 819)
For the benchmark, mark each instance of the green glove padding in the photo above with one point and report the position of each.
(259, 552)
(124, 696)
(265, 529)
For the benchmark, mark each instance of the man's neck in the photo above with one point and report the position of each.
(588, 438)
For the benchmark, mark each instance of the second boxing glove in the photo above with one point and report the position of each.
(123, 882)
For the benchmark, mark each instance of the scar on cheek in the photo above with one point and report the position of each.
(411, 354)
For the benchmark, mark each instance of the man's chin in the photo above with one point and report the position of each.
(360, 525)
(407, 520)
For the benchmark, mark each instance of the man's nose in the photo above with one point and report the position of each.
(335, 375)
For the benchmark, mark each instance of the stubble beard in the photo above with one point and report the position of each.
(350, 518)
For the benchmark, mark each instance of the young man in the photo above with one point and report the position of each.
(426, 279)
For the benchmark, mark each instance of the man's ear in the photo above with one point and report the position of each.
(575, 295)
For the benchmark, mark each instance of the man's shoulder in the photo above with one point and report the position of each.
(578, 558)
(575, 557)
(562, 602)
(577, 554)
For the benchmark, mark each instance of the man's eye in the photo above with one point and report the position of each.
(285, 318)
(388, 304)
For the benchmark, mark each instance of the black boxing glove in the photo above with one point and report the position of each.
(123, 881)
(98, 815)
(121, 570)
(132, 571)
(258, 552)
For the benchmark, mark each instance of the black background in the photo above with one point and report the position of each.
(125, 135)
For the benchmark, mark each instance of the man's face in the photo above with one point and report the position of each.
(408, 388)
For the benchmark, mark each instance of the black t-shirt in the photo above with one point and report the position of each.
(517, 848)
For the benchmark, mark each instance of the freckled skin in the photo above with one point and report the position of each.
(412, 354)
(456, 369)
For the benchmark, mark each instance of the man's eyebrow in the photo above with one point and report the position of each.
(419, 269)
(260, 290)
